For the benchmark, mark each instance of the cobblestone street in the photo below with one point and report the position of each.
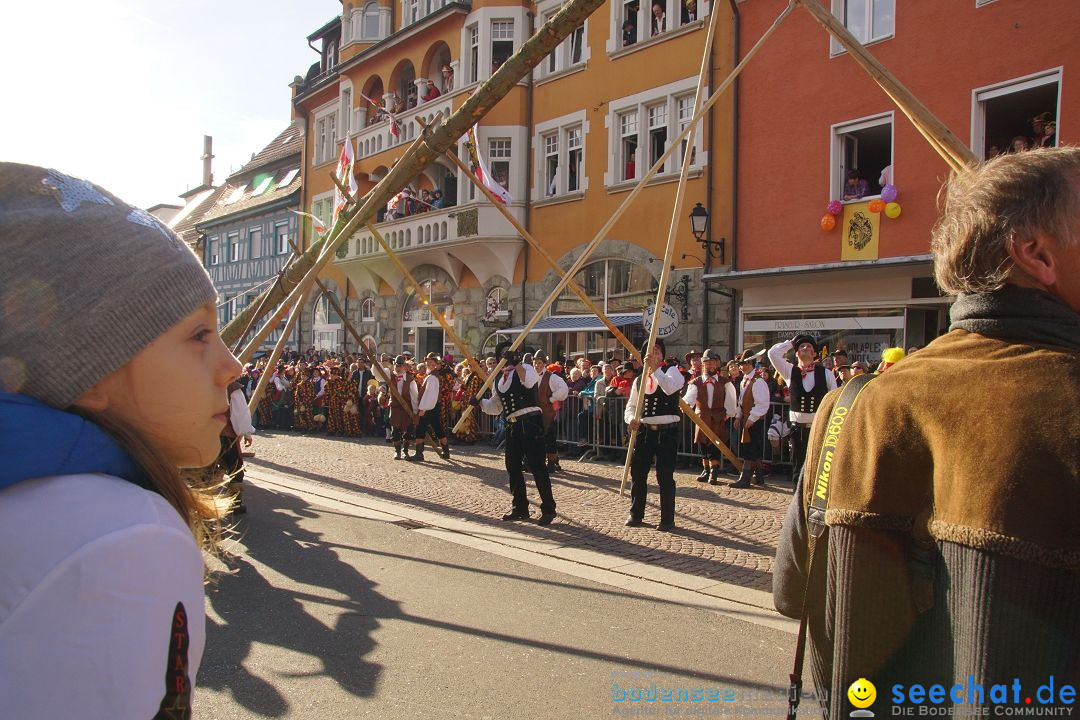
(723, 534)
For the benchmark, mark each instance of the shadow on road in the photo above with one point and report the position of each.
(255, 609)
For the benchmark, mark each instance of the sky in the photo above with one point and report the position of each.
(121, 92)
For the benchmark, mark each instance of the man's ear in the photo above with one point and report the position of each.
(1034, 257)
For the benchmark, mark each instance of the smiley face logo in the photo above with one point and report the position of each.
(862, 694)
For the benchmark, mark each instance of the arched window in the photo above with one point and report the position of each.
(421, 333)
(497, 302)
(367, 311)
(371, 21)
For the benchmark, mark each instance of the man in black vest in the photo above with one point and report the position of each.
(658, 436)
(809, 381)
(513, 395)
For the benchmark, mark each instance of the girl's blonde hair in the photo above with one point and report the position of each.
(201, 506)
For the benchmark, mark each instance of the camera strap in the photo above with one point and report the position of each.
(815, 518)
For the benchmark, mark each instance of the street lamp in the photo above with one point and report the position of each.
(699, 225)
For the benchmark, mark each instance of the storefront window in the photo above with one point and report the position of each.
(864, 334)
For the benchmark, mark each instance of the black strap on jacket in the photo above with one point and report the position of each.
(815, 517)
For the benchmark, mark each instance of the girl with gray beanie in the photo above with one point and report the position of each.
(112, 377)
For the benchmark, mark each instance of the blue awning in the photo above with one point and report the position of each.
(577, 323)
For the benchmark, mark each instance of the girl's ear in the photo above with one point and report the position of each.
(96, 399)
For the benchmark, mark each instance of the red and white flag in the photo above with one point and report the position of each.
(345, 170)
(479, 167)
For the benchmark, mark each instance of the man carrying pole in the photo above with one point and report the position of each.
(658, 439)
(402, 415)
(513, 395)
(551, 390)
(428, 416)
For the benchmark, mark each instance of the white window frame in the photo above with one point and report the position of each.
(281, 238)
(255, 241)
(346, 111)
(550, 178)
(472, 36)
(501, 150)
(839, 9)
(370, 9)
(213, 250)
(980, 95)
(325, 135)
(837, 169)
(499, 25)
(561, 128)
(670, 94)
(322, 207)
(233, 240)
(672, 9)
(561, 59)
(367, 310)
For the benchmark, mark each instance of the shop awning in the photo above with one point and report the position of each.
(577, 323)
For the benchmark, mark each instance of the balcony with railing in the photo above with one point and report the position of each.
(376, 137)
(474, 236)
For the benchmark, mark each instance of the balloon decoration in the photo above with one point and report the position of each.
(834, 207)
(892, 210)
(889, 193)
(876, 206)
(828, 222)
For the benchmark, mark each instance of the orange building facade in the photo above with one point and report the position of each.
(568, 143)
(808, 117)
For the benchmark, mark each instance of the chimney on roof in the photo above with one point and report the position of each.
(207, 158)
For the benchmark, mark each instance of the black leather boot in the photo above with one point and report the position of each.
(744, 476)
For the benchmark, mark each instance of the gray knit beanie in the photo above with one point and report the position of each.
(86, 282)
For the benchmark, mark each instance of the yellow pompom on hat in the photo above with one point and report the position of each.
(892, 355)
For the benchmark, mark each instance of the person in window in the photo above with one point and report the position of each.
(659, 17)
(689, 11)
(438, 202)
(429, 92)
(629, 26)
(448, 78)
(1050, 138)
(856, 186)
(1020, 143)
(1039, 131)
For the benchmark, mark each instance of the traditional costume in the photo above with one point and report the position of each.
(753, 408)
(713, 398)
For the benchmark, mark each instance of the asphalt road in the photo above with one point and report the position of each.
(329, 615)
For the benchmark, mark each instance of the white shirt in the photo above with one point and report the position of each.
(559, 389)
(670, 382)
(776, 357)
(760, 390)
(91, 570)
(691, 395)
(239, 414)
(430, 398)
(493, 405)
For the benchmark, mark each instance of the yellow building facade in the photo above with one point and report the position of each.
(568, 143)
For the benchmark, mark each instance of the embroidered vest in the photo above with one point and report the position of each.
(807, 401)
(517, 396)
(658, 402)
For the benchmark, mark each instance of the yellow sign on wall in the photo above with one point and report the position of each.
(859, 232)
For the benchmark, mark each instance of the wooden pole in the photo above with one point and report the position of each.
(602, 233)
(945, 143)
(633, 193)
(360, 341)
(264, 379)
(665, 271)
(419, 154)
(592, 306)
(447, 328)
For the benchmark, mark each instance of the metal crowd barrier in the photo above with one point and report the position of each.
(593, 429)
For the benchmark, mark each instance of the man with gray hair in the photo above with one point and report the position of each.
(952, 559)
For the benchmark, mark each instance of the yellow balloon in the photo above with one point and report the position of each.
(892, 210)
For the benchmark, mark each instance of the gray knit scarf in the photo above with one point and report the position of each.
(1019, 314)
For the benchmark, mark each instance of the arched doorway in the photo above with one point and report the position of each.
(420, 332)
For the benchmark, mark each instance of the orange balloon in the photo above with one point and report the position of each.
(876, 206)
(828, 222)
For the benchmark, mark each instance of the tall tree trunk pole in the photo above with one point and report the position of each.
(945, 143)
(665, 269)
(419, 155)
